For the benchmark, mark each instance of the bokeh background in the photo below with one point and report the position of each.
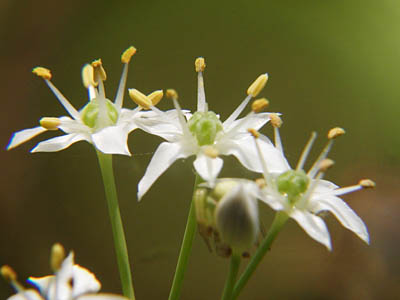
(331, 63)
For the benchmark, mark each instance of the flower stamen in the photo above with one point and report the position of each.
(306, 151)
(50, 123)
(46, 75)
(200, 65)
(11, 277)
(125, 59)
(276, 122)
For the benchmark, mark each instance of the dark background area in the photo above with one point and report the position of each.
(331, 63)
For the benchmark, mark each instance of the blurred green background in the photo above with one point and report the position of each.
(331, 63)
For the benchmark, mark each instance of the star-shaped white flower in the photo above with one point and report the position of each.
(204, 135)
(101, 122)
(70, 282)
(303, 196)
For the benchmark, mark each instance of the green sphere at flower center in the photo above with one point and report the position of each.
(90, 114)
(293, 183)
(205, 126)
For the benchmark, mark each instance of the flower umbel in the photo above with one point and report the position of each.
(204, 135)
(303, 196)
(69, 282)
(101, 122)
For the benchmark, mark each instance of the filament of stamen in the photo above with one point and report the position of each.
(64, 102)
(266, 175)
(237, 111)
(324, 153)
(121, 88)
(306, 151)
(347, 189)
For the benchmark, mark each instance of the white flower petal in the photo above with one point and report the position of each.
(112, 140)
(314, 226)
(59, 143)
(272, 198)
(208, 168)
(246, 152)
(29, 294)
(84, 282)
(23, 136)
(43, 284)
(101, 297)
(343, 213)
(165, 155)
(325, 186)
(255, 121)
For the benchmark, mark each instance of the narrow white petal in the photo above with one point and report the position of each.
(43, 284)
(59, 143)
(245, 151)
(208, 168)
(84, 282)
(23, 136)
(343, 213)
(165, 155)
(314, 226)
(101, 297)
(112, 140)
(255, 121)
(272, 198)
(29, 294)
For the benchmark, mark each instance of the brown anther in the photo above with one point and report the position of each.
(256, 87)
(261, 183)
(254, 133)
(276, 121)
(259, 105)
(211, 152)
(335, 132)
(98, 69)
(171, 94)
(127, 55)
(8, 273)
(325, 164)
(367, 183)
(50, 123)
(200, 64)
(57, 257)
(140, 98)
(156, 96)
(42, 72)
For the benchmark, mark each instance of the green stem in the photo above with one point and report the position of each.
(279, 220)
(105, 161)
(232, 274)
(188, 237)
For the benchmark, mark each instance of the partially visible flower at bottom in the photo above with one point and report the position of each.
(303, 196)
(70, 282)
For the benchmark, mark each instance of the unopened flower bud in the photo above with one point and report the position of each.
(236, 218)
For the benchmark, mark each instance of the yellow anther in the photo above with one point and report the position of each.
(8, 273)
(256, 87)
(98, 69)
(88, 76)
(276, 121)
(57, 256)
(200, 64)
(171, 94)
(325, 164)
(254, 133)
(50, 123)
(211, 152)
(140, 98)
(42, 72)
(335, 132)
(261, 183)
(367, 183)
(156, 96)
(128, 53)
(259, 105)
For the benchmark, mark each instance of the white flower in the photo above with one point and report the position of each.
(70, 282)
(204, 135)
(303, 196)
(101, 122)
